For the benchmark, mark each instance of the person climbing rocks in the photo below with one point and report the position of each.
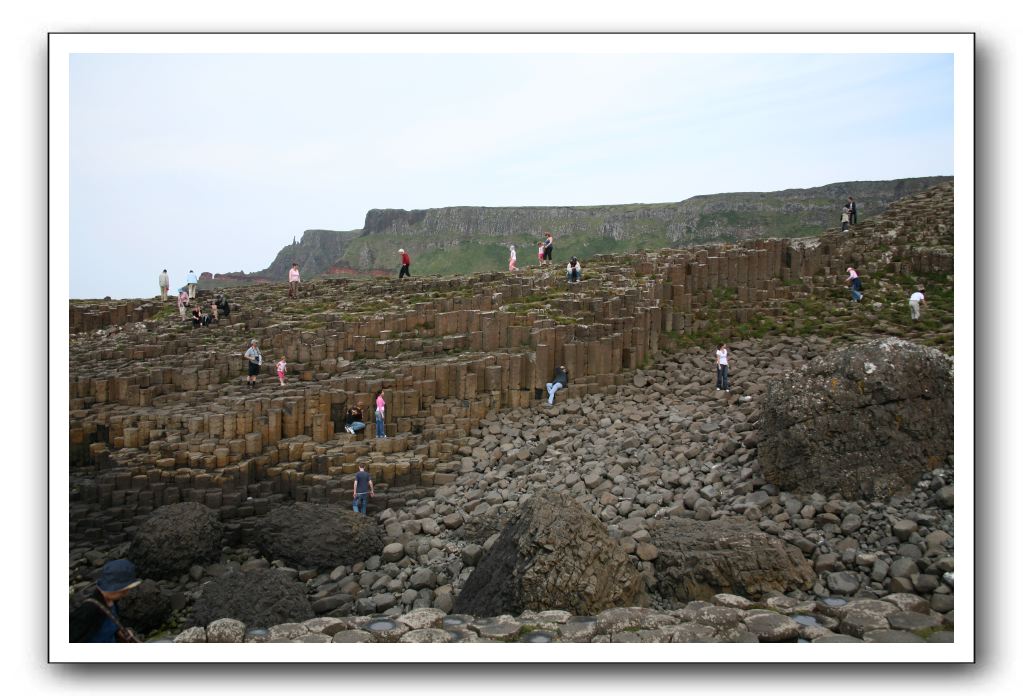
(560, 381)
(362, 489)
(721, 358)
(96, 620)
(182, 302)
(255, 359)
(574, 270)
(511, 258)
(405, 262)
(164, 281)
(915, 300)
(852, 210)
(381, 405)
(354, 421)
(855, 284)
(193, 284)
(293, 280)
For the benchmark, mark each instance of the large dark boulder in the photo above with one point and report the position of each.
(174, 538)
(307, 535)
(697, 560)
(552, 555)
(258, 598)
(145, 608)
(864, 421)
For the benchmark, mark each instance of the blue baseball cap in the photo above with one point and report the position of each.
(118, 575)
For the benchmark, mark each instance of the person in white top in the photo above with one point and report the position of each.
(293, 281)
(511, 258)
(164, 284)
(574, 270)
(915, 300)
(282, 368)
(255, 359)
(722, 367)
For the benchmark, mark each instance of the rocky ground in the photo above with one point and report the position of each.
(667, 446)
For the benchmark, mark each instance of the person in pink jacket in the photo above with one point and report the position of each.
(381, 405)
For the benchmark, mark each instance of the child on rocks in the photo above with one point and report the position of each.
(282, 368)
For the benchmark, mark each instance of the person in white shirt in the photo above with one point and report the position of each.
(293, 281)
(282, 369)
(255, 359)
(511, 258)
(915, 300)
(164, 285)
(722, 366)
(574, 270)
(193, 283)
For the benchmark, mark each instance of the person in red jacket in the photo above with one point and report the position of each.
(405, 261)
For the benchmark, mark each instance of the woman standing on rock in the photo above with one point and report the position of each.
(379, 396)
(722, 365)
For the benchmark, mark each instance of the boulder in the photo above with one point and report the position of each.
(863, 421)
(552, 555)
(306, 535)
(698, 560)
(257, 598)
(145, 608)
(174, 538)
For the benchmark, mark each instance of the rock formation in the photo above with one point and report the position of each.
(697, 560)
(259, 598)
(554, 555)
(866, 420)
(174, 538)
(318, 536)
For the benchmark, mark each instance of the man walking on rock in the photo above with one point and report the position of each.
(193, 283)
(405, 261)
(852, 210)
(362, 489)
(293, 281)
(164, 285)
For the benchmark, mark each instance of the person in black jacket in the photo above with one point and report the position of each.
(560, 381)
(852, 210)
(354, 421)
(96, 620)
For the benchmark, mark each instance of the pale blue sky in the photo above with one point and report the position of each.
(215, 162)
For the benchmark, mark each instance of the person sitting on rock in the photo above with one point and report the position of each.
(354, 419)
(559, 382)
(574, 270)
(362, 489)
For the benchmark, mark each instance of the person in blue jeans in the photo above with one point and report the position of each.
(855, 284)
(353, 419)
(560, 381)
(721, 359)
(381, 405)
(362, 490)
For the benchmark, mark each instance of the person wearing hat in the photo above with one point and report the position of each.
(255, 359)
(96, 619)
(405, 261)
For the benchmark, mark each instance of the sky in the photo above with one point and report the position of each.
(215, 162)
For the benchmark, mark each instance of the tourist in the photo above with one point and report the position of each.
(164, 284)
(255, 359)
(293, 281)
(722, 367)
(196, 317)
(574, 270)
(855, 284)
(193, 283)
(915, 300)
(405, 261)
(354, 419)
(548, 247)
(560, 381)
(282, 369)
(539, 251)
(511, 258)
(845, 217)
(96, 619)
(182, 302)
(362, 489)
(223, 305)
(379, 398)
(214, 312)
(852, 210)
